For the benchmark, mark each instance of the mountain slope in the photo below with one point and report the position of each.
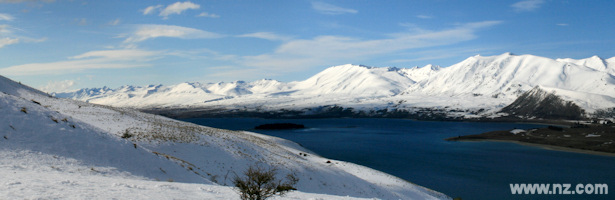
(504, 73)
(477, 83)
(538, 103)
(508, 76)
(355, 80)
(70, 145)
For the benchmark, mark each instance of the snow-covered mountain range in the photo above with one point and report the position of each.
(53, 148)
(479, 83)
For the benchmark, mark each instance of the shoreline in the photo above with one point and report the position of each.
(339, 112)
(543, 146)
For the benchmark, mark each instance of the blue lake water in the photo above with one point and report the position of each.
(416, 151)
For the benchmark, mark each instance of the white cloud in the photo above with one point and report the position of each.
(151, 9)
(7, 37)
(121, 54)
(527, 5)
(266, 36)
(324, 50)
(6, 17)
(8, 41)
(108, 59)
(424, 16)
(115, 22)
(175, 8)
(5, 28)
(562, 24)
(329, 9)
(178, 8)
(150, 31)
(210, 15)
(65, 67)
(58, 86)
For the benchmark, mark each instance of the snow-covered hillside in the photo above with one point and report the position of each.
(507, 76)
(354, 80)
(61, 148)
(485, 83)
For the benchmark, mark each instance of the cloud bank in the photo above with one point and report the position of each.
(327, 49)
(108, 59)
(151, 31)
(527, 5)
(172, 9)
(58, 86)
(330, 9)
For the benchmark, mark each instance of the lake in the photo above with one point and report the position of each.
(416, 151)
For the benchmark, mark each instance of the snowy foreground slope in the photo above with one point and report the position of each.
(60, 148)
(485, 83)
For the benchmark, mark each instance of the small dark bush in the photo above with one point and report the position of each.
(126, 135)
(260, 184)
(24, 110)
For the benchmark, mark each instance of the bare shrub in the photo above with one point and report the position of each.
(260, 184)
(126, 134)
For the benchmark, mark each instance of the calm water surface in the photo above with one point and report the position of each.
(416, 151)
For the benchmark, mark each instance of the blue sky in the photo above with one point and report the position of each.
(59, 45)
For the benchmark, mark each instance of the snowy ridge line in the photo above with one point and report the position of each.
(486, 83)
(61, 148)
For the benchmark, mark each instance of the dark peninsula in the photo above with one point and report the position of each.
(582, 138)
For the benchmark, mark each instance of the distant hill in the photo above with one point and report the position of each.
(478, 86)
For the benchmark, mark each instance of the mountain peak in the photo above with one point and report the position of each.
(595, 62)
(356, 79)
(432, 67)
(351, 66)
(503, 77)
(594, 57)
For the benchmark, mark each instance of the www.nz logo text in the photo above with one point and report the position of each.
(557, 188)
